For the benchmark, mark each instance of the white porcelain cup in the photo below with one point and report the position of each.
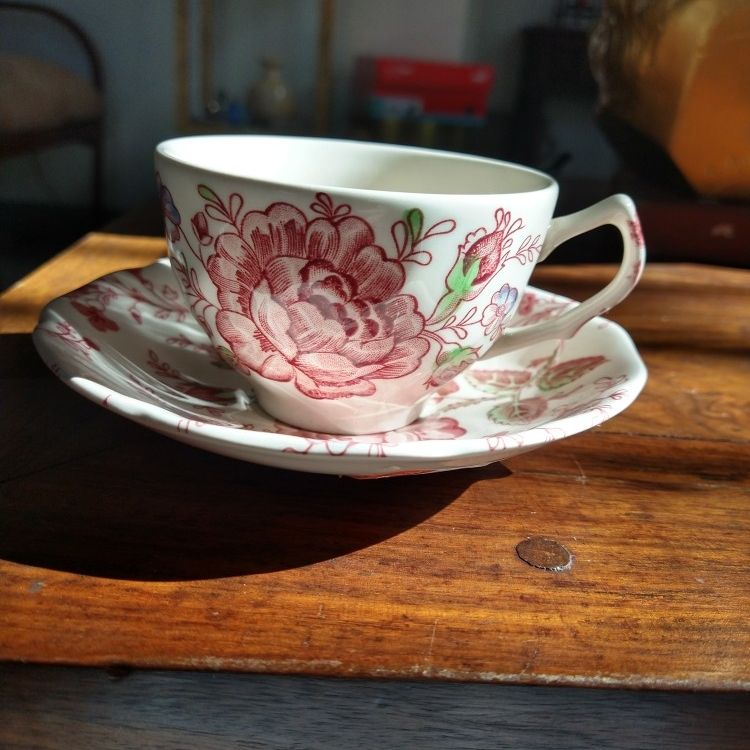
(348, 280)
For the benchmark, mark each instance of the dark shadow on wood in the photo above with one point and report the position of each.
(85, 491)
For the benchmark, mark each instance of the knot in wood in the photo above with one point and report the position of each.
(544, 553)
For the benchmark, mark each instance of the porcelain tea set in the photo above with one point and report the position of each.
(352, 308)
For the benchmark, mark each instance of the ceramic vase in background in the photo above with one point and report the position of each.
(271, 102)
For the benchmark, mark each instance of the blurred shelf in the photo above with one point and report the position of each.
(199, 64)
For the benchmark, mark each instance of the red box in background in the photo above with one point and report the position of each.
(423, 87)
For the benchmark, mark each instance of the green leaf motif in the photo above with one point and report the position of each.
(205, 192)
(462, 276)
(568, 372)
(446, 306)
(522, 412)
(499, 414)
(226, 354)
(220, 364)
(497, 382)
(415, 220)
(452, 363)
(459, 284)
(458, 354)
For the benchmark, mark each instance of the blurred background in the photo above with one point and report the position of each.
(650, 98)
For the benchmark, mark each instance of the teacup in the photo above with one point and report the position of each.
(349, 280)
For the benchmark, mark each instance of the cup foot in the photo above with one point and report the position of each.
(341, 417)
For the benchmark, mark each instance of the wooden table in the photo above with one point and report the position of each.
(191, 613)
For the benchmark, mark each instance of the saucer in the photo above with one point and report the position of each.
(129, 343)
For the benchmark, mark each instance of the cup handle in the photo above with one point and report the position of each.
(618, 210)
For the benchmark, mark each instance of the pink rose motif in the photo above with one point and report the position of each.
(489, 248)
(200, 228)
(500, 307)
(315, 302)
(483, 254)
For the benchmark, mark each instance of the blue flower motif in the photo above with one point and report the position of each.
(171, 214)
(168, 206)
(502, 304)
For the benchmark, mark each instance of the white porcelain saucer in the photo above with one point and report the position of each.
(127, 342)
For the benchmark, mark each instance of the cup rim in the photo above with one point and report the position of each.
(551, 184)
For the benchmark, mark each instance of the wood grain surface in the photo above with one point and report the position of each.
(93, 256)
(122, 547)
(89, 710)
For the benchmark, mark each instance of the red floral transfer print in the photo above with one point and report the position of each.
(69, 336)
(567, 372)
(450, 364)
(524, 411)
(500, 307)
(96, 317)
(324, 301)
(636, 232)
(431, 428)
(314, 300)
(200, 228)
(483, 255)
(434, 428)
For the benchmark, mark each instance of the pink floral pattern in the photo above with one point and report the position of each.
(431, 428)
(545, 389)
(636, 232)
(95, 300)
(498, 380)
(494, 409)
(435, 428)
(564, 373)
(200, 228)
(523, 411)
(445, 390)
(67, 334)
(96, 316)
(314, 298)
(324, 300)
(450, 364)
(481, 257)
(535, 308)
